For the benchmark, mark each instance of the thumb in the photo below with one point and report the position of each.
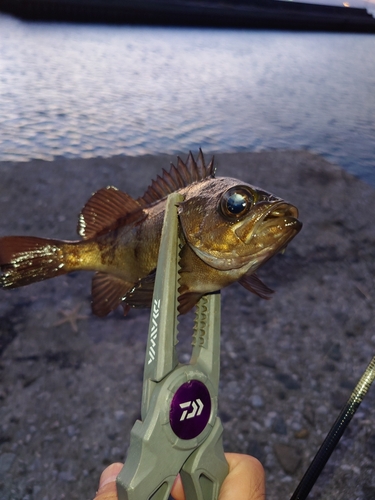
(107, 485)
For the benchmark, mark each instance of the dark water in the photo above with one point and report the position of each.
(85, 91)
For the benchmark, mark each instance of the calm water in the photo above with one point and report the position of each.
(83, 91)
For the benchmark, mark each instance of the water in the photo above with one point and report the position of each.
(85, 91)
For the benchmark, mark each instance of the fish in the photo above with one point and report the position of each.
(228, 229)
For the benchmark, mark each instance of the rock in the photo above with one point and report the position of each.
(120, 415)
(67, 476)
(256, 449)
(288, 457)
(278, 425)
(6, 462)
(333, 351)
(288, 381)
(368, 492)
(302, 434)
(339, 398)
(256, 401)
(267, 361)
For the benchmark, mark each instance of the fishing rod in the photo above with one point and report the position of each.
(335, 433)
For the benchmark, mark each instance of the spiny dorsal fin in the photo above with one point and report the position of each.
(177, 178)
(254, 284)
(103, 211)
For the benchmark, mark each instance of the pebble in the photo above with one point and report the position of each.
(338, 399)
(120, 415)
(288, 381)
(333, 351)
(256, 401)
(267, 361)
(302, 434)
(6, 462)
(5, 437)
(288, 457)
(278, 425)
(67, 476)
(71, 430)
(256, 449)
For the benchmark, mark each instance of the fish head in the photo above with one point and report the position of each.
(230, 224)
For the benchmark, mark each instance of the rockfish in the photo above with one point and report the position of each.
(228, 229)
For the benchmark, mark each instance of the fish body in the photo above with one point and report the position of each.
(228, 230)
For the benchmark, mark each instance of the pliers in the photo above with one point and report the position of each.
(179, 431)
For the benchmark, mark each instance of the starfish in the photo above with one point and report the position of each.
(71, 316)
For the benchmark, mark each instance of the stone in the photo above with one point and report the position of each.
(256, 401)
(278, 425)
(288, 381)
(6, 462)
(288, 457)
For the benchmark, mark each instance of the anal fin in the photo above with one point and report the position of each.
(108, 292)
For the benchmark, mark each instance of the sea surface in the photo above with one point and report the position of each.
(87, 90)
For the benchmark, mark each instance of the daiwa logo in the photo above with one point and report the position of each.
(154, 330)
(195, 412)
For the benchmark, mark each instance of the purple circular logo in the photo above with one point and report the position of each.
(190, 409)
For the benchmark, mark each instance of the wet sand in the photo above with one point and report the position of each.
(68, 399)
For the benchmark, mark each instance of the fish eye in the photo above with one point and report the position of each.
(236, 202)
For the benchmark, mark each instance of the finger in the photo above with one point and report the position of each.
(245, 480)
(177, 490)
(107, 484)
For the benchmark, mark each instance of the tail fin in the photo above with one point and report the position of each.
(25, 260)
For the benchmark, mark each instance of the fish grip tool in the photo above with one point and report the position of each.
(179, 430)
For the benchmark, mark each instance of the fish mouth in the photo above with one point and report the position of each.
(275, 227)
(281, 209)
(284, 213)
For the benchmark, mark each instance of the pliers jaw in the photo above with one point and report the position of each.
(180, 431)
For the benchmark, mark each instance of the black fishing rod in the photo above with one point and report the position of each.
(335, 433)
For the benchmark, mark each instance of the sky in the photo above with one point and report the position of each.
(353, 3)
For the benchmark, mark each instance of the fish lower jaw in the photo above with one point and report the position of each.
(236, 265)
(222, 264)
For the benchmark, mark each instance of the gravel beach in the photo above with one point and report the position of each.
(70, 390)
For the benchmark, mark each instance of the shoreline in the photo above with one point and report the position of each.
(254, 14)
(69, 399)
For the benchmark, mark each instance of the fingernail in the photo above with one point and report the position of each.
(109, 475)
(106, 480)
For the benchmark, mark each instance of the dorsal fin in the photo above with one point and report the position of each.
(177, 178)
(104, 209)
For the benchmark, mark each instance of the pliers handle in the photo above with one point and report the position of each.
(180, 431)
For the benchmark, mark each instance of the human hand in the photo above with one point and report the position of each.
(245, 480)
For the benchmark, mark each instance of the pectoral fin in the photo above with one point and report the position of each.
(187, 301)
(141, 293)
(254, 284)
